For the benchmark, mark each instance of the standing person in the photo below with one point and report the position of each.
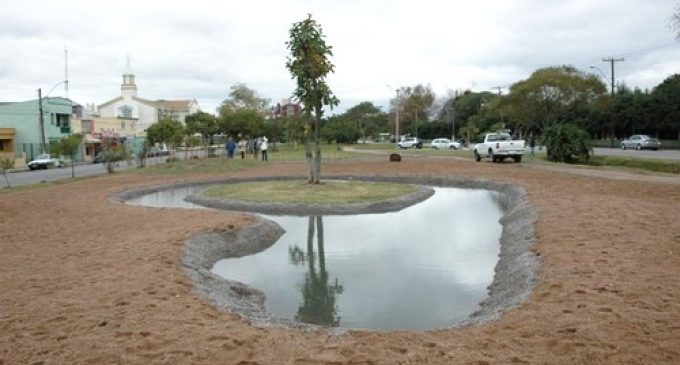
(263, 148)
(532, 144)
(231, 146)
(256, 147)
(242, 147)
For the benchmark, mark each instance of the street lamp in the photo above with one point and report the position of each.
(603, 76)
(396, 118)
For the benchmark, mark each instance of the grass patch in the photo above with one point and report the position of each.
(671, 167)
(287, 153)
(328, 192)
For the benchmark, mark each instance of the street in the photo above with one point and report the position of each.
(661, 154)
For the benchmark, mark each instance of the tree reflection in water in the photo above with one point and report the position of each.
(318, 295)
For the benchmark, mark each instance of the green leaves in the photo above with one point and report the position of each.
(566, 143)
(167, 131)
(309, 64)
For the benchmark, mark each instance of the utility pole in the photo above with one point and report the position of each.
(396, 120)
(451, 110)
(499, 88)
(42, 122)
(613, 60)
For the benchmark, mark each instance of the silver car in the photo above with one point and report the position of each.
(640, 142)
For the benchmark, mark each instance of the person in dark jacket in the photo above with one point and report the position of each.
(231, 147)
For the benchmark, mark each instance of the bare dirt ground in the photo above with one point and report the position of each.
(87, 281)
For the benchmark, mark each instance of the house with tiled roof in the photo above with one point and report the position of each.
(133, 114)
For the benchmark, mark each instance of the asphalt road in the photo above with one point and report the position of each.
(38, 176)
(661, 154)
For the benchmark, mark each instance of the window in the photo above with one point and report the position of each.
(124, 111)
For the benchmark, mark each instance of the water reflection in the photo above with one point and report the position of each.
(427, 266)
(318, 294)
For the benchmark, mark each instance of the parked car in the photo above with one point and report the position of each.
(498, 147)
(99, 157)
(157, 152)
(640, 142)
(444, 144)
(44, 161)
(410, 142)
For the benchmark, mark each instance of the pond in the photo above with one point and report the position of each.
(427, 266)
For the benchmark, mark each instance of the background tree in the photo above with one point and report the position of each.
(166, 131)
(6, 163)
(69, 147)
(340, 129)
(675, 22)
(666, 102)
(242, 97)
(309, 65)
(294, 129)
(204, 124)
(551, 95)
(244, 122)
(416, 106)
(367, 117)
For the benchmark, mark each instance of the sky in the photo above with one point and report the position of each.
(199, 49)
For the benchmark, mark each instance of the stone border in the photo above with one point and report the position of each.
(514, 278)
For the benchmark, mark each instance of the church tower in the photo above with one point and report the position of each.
(128, 89)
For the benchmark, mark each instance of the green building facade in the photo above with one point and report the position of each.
(24, 118)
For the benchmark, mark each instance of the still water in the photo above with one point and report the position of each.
(424, 267)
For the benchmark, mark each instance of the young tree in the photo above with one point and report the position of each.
(309, 65)
(6, 163)
(69, 147)
(142, 153)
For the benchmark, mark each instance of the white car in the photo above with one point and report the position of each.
(444, 144)
(410, 142)
(44, 161)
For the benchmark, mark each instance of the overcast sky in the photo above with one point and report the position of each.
(198, 49)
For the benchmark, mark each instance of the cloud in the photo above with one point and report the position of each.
(199, 50)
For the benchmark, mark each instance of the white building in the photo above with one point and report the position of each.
(138, 114)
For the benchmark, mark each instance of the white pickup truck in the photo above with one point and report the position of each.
(498, 147)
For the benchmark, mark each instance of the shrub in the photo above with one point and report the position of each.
(566, 143)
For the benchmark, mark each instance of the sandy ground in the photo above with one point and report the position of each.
(87, 281)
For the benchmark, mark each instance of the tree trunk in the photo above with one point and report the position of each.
(309, 156)
(320, 244)
(4, 172)
(317, 142)
(73, 169)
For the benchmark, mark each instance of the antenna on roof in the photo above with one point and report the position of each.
(66, 71)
